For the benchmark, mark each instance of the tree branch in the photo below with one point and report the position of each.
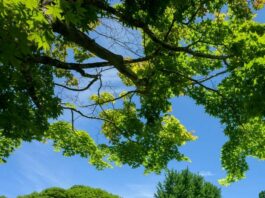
(213, 76)
(72, 34)
(92, 117)
(191, 79)
(80, 66)
(137, 23)
(107, 101)
(82, 89)
(83, 115)
(68, 66)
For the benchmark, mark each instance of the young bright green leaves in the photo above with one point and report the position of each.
(7, 146)
(75, 142)
(134, 142)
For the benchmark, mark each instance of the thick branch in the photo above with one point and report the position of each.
(72, 34)
(80, 66)
(30, 86)
(62, 65)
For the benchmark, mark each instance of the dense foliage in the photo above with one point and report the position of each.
(186, 184)
(50, 48)
(77, 191)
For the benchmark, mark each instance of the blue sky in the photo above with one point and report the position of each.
(36, 166)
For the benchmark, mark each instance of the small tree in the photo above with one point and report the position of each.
(77, 191)
(262, 194)
(186, 184)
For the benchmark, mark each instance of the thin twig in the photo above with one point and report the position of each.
(82, 89)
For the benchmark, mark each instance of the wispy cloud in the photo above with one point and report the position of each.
(139, 191)
(206, 173)
(34, 171)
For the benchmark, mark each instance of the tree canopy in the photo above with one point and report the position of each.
(51, 48)
(186, 184)
(77, 191)
(262, 194)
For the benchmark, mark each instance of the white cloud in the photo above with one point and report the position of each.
(206, 173)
